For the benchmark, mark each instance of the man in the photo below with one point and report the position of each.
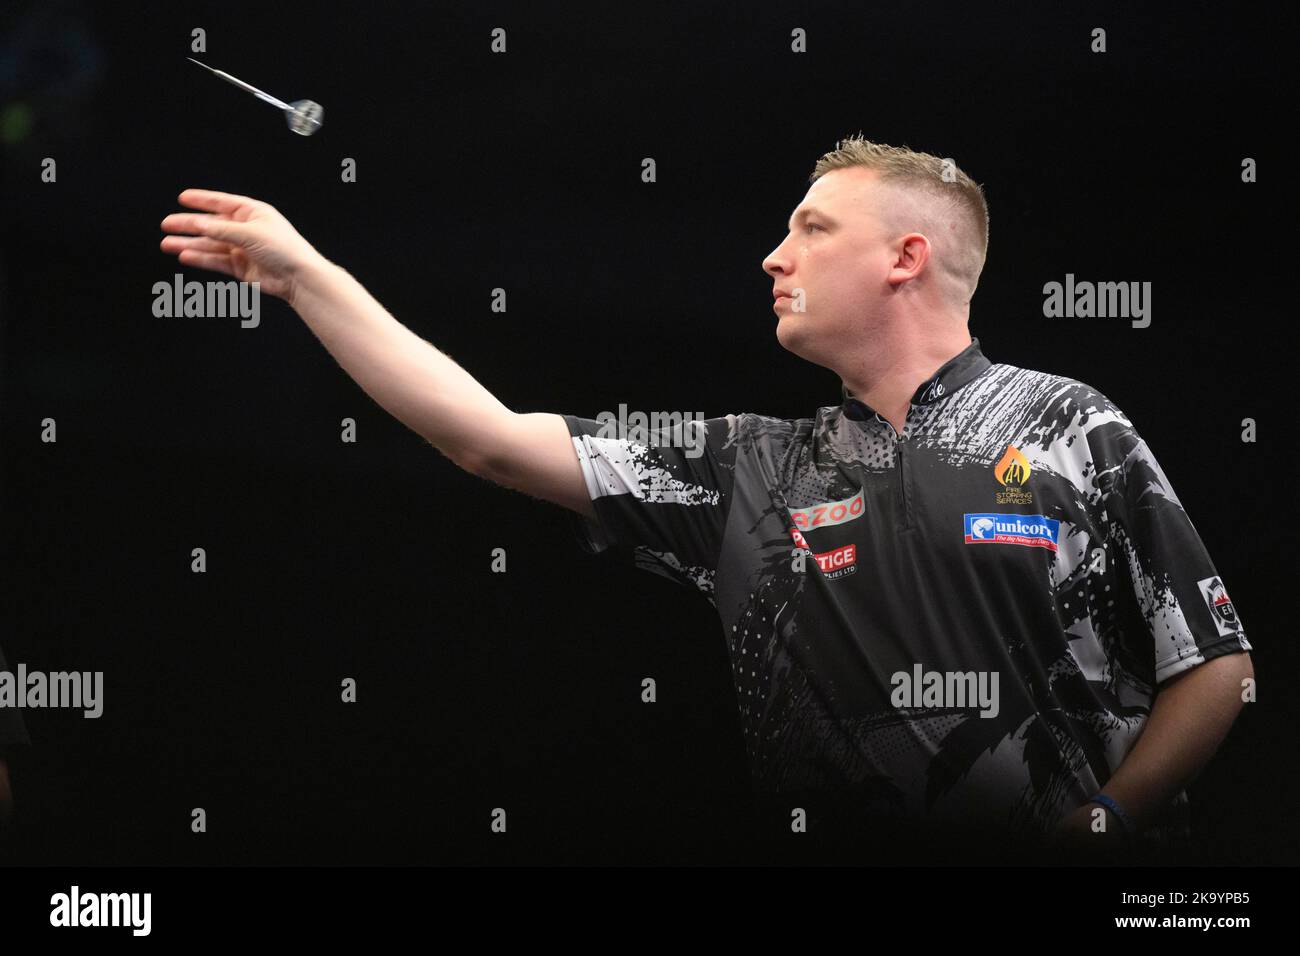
(967, 595)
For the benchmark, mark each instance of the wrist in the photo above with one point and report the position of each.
(1116, 812)
(314, 279)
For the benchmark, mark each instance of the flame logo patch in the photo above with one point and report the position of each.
(1012, 472)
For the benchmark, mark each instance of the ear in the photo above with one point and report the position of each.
(912, 256)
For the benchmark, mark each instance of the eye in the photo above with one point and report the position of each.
(811, 226)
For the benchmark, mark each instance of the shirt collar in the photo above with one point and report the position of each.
(966, 366)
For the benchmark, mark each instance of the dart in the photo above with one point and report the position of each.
(303, 116)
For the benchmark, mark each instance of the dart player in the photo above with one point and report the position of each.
(949, 525)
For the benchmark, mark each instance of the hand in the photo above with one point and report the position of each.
(241, 237)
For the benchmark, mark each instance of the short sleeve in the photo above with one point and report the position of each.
(661, 494)
(13, 732)
(1189, 616)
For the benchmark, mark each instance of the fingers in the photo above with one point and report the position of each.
(181, 243)
(214, 227)
(208, 260)
(211, 201)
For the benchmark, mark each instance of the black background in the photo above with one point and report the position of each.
(522, 171)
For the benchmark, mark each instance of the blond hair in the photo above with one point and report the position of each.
(946, 204)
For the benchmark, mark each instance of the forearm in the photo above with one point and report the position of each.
(1189, 720)
(410, 378)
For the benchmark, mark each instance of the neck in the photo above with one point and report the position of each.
(889, 369)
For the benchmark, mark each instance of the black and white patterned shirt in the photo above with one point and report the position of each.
(1018, 527)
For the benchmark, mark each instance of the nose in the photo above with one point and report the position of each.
(777, 262)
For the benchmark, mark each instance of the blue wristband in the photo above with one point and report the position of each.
(1125, 823)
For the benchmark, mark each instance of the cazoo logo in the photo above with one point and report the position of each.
(829, 514)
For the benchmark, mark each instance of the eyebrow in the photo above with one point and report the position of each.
(805, 213)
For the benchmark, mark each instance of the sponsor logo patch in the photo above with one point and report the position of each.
(835, 563)
(1033, 531)
(826, 515)
(1012, 472)
(1220, 605)
(839, 562)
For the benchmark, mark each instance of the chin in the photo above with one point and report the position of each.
(798, 339)
(792, 334)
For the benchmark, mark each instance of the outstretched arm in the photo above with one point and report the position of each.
(411, 379)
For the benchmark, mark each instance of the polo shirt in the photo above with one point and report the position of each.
(966, 622)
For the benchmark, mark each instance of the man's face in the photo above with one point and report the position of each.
(838, 254)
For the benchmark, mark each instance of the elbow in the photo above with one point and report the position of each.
(476, 465)
(479, 466)
(464, 460)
